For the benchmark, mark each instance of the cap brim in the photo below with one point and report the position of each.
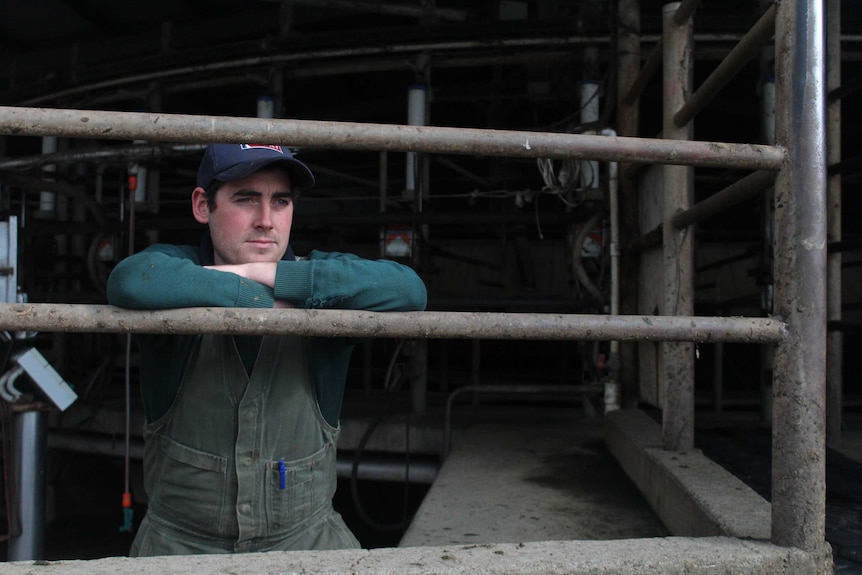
(300, 174)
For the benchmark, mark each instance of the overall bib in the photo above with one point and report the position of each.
(241, 463)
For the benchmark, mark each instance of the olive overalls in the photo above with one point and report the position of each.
(241, 463)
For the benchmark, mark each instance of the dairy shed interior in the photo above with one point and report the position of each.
(469, 439)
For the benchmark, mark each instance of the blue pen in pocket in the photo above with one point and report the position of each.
(281, 475)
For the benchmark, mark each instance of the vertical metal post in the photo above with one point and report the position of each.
(718, 377)
(798, 439)
(416, 96)
(29, 430)
(590, 112)
(47, 200)
(835, 339)
(677, 358)
(419, 375)
(767, 352)
(29, 434)
(629, 61)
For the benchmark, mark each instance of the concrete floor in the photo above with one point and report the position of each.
(545, 480)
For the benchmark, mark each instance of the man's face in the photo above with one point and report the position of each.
(251, 219)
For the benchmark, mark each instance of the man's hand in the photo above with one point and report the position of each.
(260, 272)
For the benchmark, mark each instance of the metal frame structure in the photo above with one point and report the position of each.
(798, 162)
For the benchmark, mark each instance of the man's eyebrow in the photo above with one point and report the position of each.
(252, 192)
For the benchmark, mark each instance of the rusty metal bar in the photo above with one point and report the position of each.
(654, 58)
(684, 12)
(88, 318)
(742, 53)
(846, 89)
(378, 137)
(676, 360)
(628, 67)
(834, 259)
(650, 67)
(799, 380)
(748, 187)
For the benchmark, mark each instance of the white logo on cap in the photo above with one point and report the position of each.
(261, 147)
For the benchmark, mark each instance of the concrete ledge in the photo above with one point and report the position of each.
(665, 556)
(691, 494)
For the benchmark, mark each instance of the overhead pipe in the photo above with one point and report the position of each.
(376, 137)
(103, 154)
(389, 8)
(372, 468)
(564, 41)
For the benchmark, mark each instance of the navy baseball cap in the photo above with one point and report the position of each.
(229, 162)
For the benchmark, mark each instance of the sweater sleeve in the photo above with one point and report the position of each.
(345, 281)
(164, 276)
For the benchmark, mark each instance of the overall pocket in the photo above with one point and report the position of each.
(191, 483)
(302, 492)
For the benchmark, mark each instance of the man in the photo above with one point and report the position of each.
(240, 432)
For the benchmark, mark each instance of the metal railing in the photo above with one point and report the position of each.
(798, 325)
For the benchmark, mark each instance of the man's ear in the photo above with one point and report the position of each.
(200, 207)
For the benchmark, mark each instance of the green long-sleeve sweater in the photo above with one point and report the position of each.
(166, 276)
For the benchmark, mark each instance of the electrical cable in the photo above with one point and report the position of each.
(577, 264)
(128, 511)
(389, 387)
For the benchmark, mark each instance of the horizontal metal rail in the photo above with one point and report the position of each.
(741, 54)
(378, 137)
(685, 11)
(646, 73)
(748, 187)
(51, 317)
